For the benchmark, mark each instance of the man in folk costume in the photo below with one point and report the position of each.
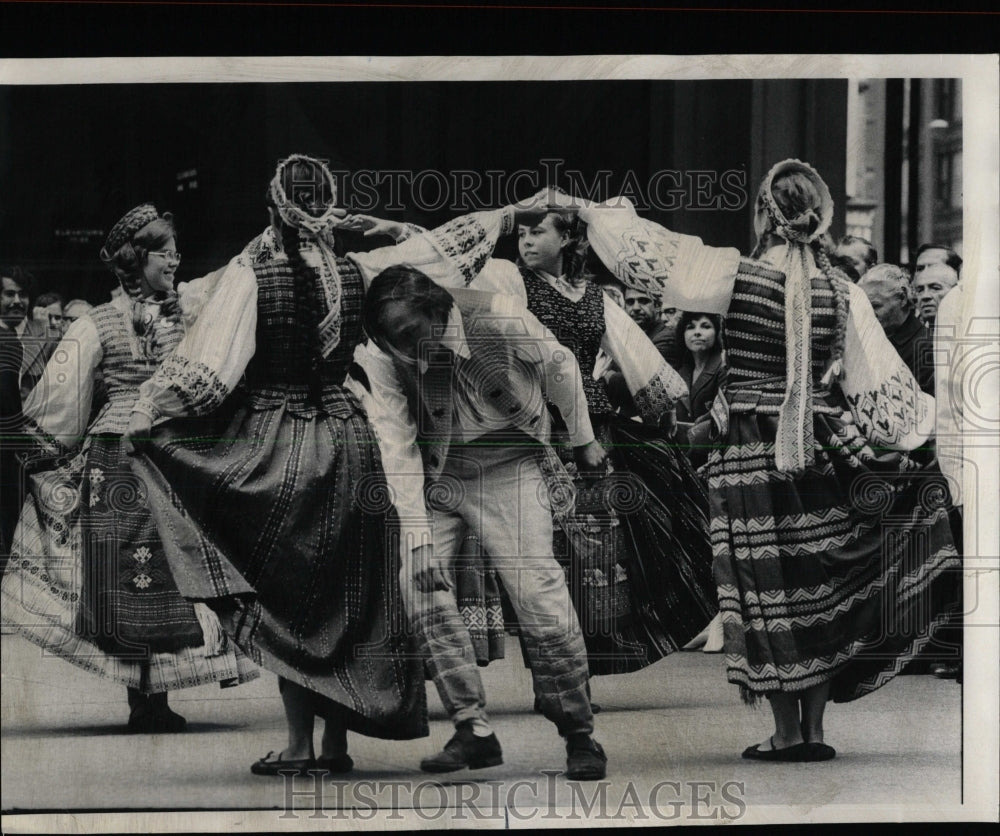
(454, 383)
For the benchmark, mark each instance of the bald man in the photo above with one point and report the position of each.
(888, 289)
(930, 286)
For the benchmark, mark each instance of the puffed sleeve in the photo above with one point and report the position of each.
(385, 404)
(501, 276)
(211, 359)
(193, 295)
(451, 255)
(58, 407)
(653, 383)
(686, 273)
(885, 399)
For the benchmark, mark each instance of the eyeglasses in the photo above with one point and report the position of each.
(169, 255)
(56, 320)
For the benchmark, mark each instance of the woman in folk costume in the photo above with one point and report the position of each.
(822, 592)
(637, 549)
(275, 499)
(88, 579)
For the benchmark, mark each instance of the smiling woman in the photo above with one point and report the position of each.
(88, 578)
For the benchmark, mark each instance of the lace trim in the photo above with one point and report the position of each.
(657, 398)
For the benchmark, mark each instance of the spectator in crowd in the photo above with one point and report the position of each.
(644, 308)
(48, 310)
(888, 289)
(847, 266)
(670, 317)
(930, 285)
(17, 296)
(75, 308)
(44, 329)
(928, 254)
(702, 367)
(856, 251)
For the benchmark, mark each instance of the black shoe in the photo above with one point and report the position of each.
(163, 721)
(946, 670)
(585, 759)
(789, 754)
(465, 750)
(819, 752)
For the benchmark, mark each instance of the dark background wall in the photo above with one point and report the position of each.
(73, 159)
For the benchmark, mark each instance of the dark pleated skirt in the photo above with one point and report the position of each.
(284, 524)
(840, 575)
(661, 584)
(636, 553)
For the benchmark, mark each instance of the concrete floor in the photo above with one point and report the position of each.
(673, 733)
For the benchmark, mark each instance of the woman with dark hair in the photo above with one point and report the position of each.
(637, 550)
(88, 578)
(702, 369)
(819, 600)
(275, 498)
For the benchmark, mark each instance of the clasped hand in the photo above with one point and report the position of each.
(428, 573)
(137, 433)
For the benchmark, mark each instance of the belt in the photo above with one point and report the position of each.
(763, 397)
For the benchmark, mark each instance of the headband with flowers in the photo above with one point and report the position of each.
(125, 230)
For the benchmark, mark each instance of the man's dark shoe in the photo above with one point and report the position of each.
(585, 759)
(465, 750)
(946, 670)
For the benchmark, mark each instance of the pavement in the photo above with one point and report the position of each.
(673, 734)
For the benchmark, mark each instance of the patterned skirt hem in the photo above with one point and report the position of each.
(844, 688)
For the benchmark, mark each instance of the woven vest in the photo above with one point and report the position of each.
(278, 372)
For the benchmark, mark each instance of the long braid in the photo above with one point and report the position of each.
(307, 331)
(841, 294)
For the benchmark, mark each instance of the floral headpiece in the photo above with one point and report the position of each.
(126, 228)
(292, 214)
